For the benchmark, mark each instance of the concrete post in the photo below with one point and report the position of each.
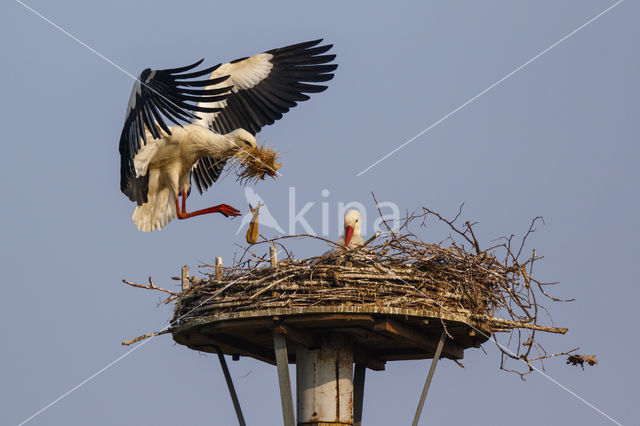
(325, 382)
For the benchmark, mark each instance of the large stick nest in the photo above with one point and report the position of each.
(494, 288)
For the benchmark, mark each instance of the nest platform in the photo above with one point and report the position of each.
(378, 333)
(400, 299)
(388, 313)
(395, 300)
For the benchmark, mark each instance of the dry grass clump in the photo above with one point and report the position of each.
(253, 164)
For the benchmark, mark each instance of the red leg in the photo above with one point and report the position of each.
(178, 211)
(224, 209)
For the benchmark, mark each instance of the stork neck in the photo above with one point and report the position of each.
(211, 144)
(220, 145)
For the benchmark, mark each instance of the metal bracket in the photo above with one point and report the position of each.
(232, 390)
(358, 393)
(432, 369)
(282, 362)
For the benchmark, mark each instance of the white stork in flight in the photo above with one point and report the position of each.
(225, 112)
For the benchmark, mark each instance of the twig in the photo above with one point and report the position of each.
(144, 336)
(151, 286)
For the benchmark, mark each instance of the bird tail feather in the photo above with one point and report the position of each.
(157, 212)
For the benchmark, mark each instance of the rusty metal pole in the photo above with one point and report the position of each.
(432, 369)
(325, 382)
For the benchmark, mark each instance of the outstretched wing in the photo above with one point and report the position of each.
(265, 86)
(171, 94)
(206, 171)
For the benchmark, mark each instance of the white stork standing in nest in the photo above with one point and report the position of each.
(225, 111)
(351, 237)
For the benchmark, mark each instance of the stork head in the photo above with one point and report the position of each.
(243, 139)
(351, 225)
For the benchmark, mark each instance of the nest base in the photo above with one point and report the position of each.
(379, 334)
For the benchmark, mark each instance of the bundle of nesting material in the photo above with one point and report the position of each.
(254, 164)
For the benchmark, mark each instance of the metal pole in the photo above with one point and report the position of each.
(358, 393)
(432, 369)
(286, 396)
(232, 390)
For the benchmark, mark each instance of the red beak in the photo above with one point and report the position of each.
(347, 237)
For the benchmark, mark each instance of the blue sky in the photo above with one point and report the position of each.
(558, 139)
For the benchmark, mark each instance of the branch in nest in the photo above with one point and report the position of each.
(476, 245)
(144, 336)
(151, 286)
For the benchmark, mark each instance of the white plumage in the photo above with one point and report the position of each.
(226, 110)
(351, 237)
(168, 162)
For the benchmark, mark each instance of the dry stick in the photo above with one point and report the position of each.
(519, 324)
(150, 287)
(223, 289)
(476, 245)
(144, 336)
(373, 237)
(270, 286)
